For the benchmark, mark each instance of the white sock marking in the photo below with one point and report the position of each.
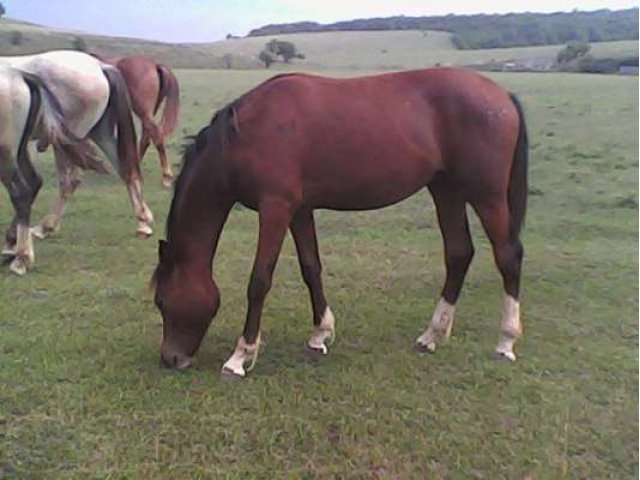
(440, 326)
(242, 354)
(323, 333)
(511, 328)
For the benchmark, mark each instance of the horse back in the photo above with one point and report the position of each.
(370, 141)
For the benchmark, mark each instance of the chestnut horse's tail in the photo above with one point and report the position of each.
(518, 184)
(119, 108)
(169, 89)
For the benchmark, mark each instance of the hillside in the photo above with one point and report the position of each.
(493, 31)
(347, 50)
(20, 38)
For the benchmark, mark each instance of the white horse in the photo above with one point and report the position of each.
(95, 104)
(28, 110)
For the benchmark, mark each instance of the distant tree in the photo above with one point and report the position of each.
(266, 57)
(2, 10)
(573, 50)
(16, 37)
(78, 43)
(286, 50)
(227, 60)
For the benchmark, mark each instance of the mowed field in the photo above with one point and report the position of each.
(82, 394)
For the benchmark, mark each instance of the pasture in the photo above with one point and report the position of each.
(83, 395)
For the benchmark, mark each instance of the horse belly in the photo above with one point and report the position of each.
(367, 183)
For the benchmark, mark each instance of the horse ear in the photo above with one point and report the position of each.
(163, 250)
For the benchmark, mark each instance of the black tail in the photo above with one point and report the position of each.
(120, 111)
(32, 116)
(518, 183)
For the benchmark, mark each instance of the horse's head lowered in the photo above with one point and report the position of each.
(188, 299)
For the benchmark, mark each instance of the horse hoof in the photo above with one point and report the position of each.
(18, 267)
(39, 232)
(321, 351)
(425, 348)
(144, 231)
(227, 374)
(167, 182)
(509, 357)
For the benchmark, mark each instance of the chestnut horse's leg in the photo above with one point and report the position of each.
(151, 131)
(68, 182)
(274, 215)
(304, 235)
(508, 253)
(458, 253)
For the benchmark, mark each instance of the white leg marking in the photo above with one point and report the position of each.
(242, 354)
(511, 328)
(440, 326)
(24, 244)
(144, 230)
(24, 251)
(9, 250)
(323, 334)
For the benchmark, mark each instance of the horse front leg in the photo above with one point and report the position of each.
(274, 216)
(304, 235)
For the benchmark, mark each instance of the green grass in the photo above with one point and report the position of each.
(83, 396)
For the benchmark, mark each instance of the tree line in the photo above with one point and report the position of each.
(493, 31)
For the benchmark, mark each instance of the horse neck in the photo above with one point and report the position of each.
(197, 222)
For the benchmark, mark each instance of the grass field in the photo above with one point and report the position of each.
(83, 396)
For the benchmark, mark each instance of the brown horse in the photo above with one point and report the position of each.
(297, 143)
(149, 84)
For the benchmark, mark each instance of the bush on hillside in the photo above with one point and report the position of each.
(572, 51)
(286, 50)
(266, 57)
(16, 37)
(78, 43)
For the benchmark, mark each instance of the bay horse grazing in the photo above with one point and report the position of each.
(150, 84)
(95, 104)
(28, 110)
(297, 143)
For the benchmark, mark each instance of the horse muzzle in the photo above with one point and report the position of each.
(172, 359)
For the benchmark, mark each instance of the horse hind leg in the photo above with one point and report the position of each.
(151, 131)
(103, 135)
(458, 253)
(22, 195)
(508, 253)
(304, 235)
(68, 182)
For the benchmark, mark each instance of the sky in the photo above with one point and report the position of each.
(211, 20)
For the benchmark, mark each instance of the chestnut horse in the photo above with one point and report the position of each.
(150, 83)
(297, 143)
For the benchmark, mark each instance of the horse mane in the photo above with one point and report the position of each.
(217, 135)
